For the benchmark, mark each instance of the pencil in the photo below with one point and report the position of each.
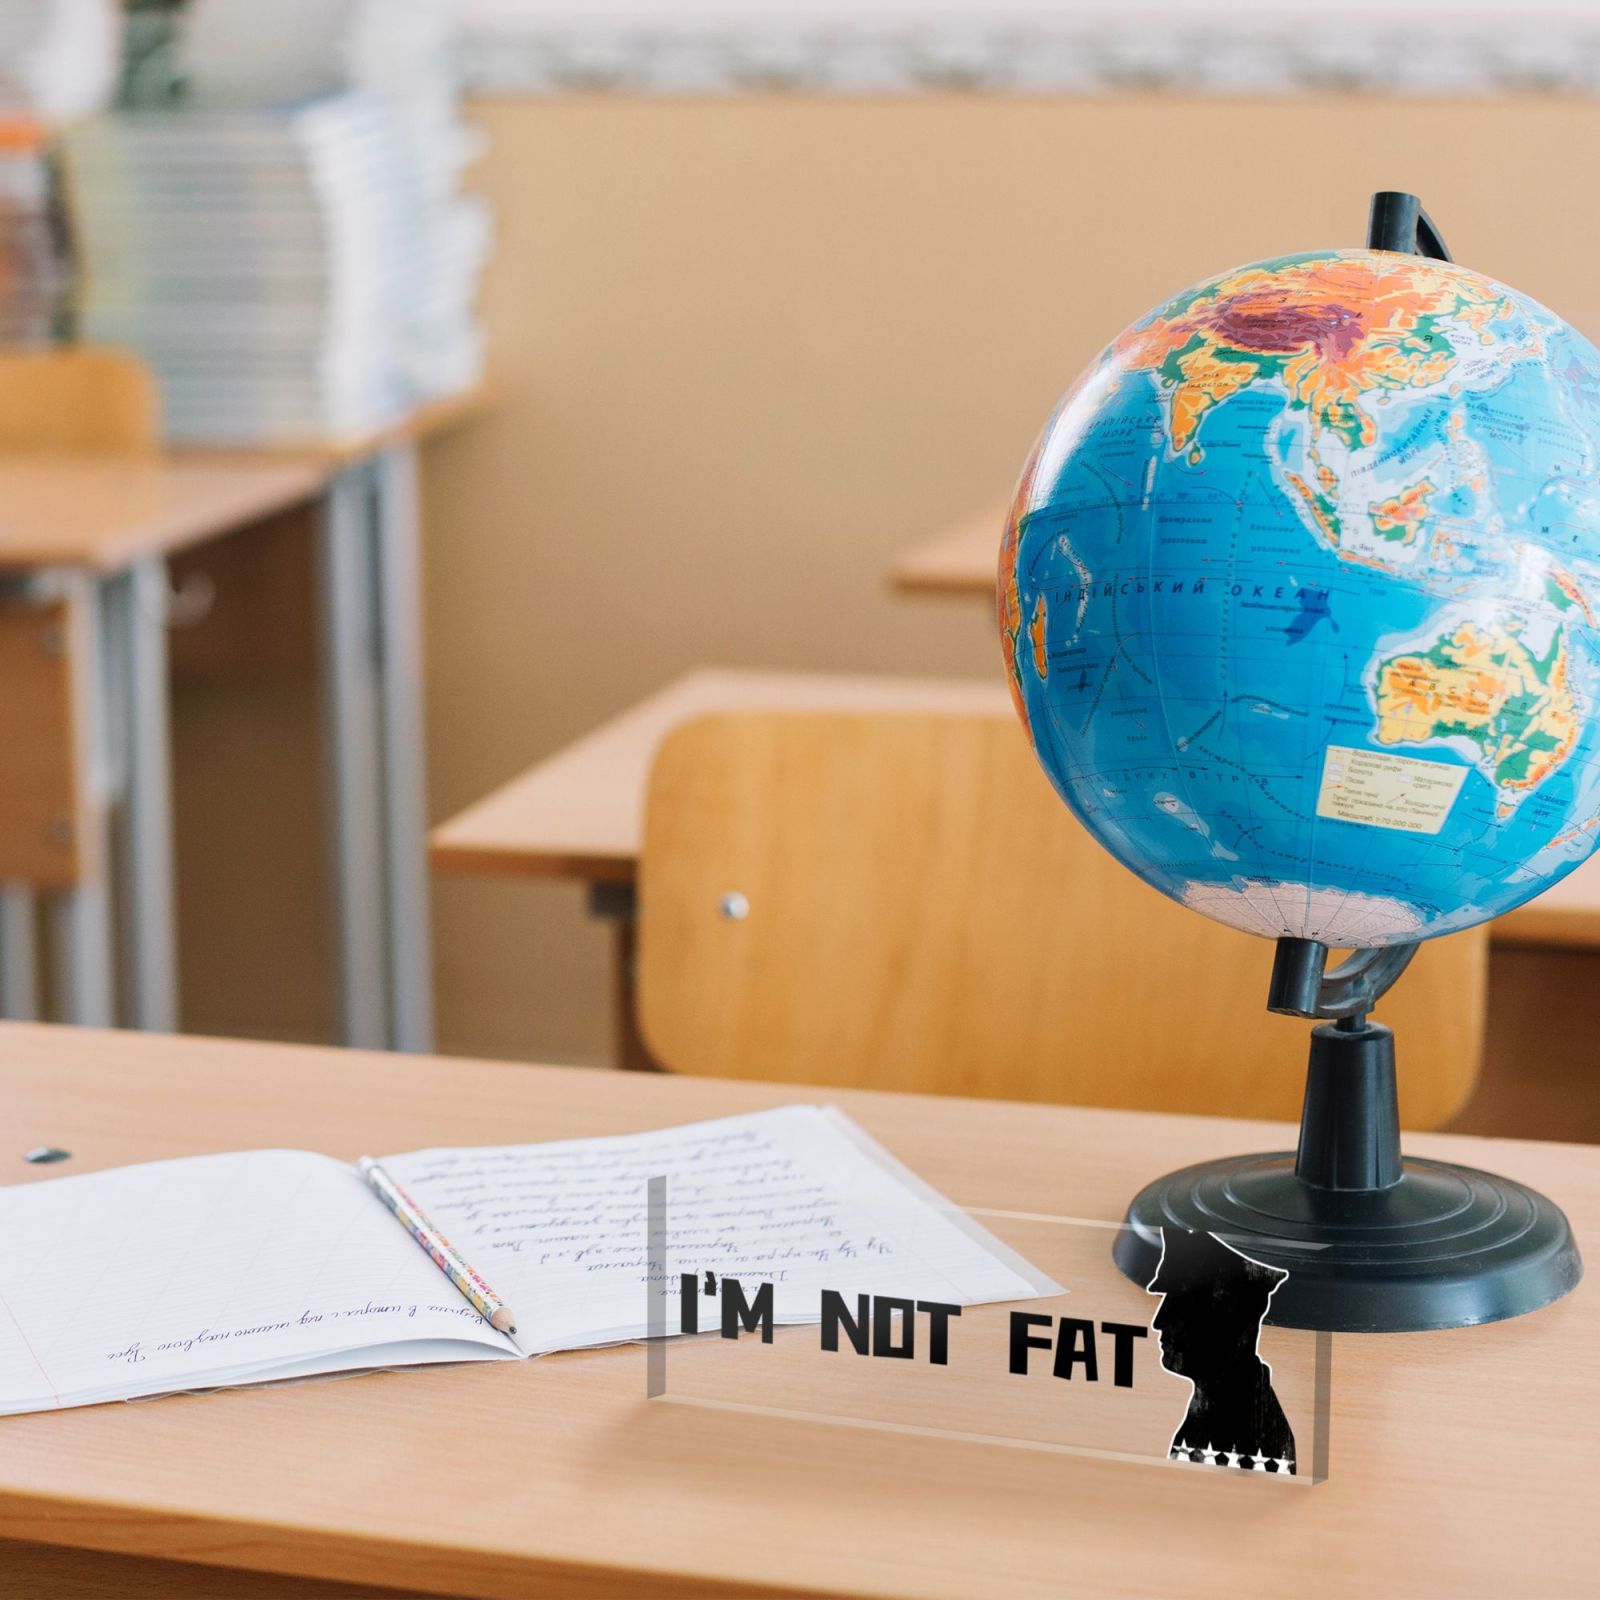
(446, 1257)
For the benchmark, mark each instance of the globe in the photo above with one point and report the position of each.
(1297, 598)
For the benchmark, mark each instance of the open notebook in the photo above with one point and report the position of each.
(268, 1264)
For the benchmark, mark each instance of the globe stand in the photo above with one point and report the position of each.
(1373, 1242)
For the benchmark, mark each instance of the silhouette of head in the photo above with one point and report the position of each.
(1213, 1300)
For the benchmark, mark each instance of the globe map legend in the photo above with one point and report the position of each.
(1385, 791)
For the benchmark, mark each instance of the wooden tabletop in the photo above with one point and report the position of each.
(1458, 1461)
(959, 561)
(102, 511)
(1566, 916)
(580, 814)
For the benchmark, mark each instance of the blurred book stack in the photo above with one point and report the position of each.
(288, 247)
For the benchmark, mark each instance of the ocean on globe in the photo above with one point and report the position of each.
(1297, 597)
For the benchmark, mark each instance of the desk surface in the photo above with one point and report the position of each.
(960, 561)
(1455, 1467)
(103, 510)
(580, 813)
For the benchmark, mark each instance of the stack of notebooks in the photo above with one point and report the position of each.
(288, 248)
(239, 52)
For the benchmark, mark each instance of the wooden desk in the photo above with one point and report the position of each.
(1454, 1465)
(1566, 916)
(101, 526)
(580, 813)
(103, 513)
(961, 562)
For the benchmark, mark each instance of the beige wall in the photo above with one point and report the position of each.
(752, 348)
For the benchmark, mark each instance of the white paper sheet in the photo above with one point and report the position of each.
(183, 1274)
(229, 1269)
(800, 1196)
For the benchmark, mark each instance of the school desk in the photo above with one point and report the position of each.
(92, 533)
(579, 814)
(1458, 1462)
(961, 562)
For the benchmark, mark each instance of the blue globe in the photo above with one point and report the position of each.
(1297, 598)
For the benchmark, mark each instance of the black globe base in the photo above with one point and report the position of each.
(1372, 1243)
(1442, 1247)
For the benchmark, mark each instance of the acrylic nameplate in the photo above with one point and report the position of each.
(1186, 1377)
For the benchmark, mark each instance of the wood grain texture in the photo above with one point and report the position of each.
(65, 1574)
(77, 397)
(925, 914)
(1455, 1467)
(580, 814)
(46, 794)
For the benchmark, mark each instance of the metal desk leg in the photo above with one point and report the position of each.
(80, 953)
(19, 959)
(371, 608)
(135, 627)
(351, 737)
(397, 560)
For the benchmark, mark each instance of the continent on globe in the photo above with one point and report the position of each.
(1481, 683)
(1036, 638)
(1331, 329)
(1344, 503)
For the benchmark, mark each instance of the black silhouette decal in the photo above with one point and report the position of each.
(1209, 1320)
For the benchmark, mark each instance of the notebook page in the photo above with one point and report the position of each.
(214, 1269)
(799, 1196)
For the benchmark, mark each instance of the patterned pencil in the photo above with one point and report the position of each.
(446, 1257)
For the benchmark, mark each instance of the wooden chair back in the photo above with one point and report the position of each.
(901, 902)
(47, 834)
(62, 398)
(77, 397)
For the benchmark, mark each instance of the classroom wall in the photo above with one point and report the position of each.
(754, 347)
(749, 349)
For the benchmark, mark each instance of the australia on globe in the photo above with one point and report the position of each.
(1297, 597)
